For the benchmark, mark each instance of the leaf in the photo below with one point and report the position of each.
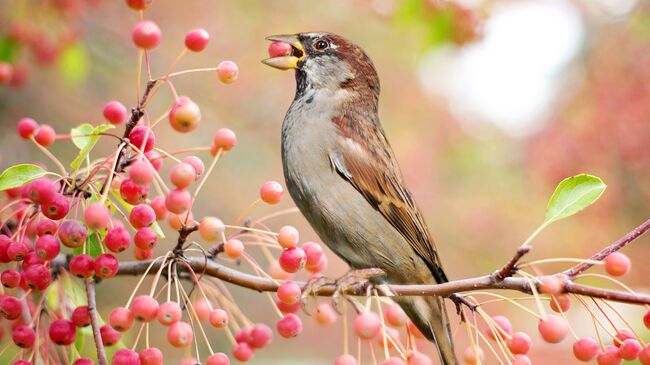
(572, 195)
(93, 245)
(8, 49)
(91, 140)
(80, 135)
(19, 175)
(80, 340)
(73, 63)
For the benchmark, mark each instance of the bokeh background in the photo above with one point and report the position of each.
(487, 104)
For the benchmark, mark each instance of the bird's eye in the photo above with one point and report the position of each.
(321, 45)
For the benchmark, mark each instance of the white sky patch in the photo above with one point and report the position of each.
(510, 77)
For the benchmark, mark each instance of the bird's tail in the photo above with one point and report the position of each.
(430, 316)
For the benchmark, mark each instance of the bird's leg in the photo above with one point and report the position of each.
(352, 279)
(459, 301)
(311, 287)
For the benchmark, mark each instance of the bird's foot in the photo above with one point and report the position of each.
(460, 301)
(312, 286)
(354, 280)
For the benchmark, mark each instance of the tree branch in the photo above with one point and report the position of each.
(102, 359)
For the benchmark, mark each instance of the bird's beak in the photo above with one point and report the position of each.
(290, 61)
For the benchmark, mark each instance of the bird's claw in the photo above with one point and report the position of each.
(311, 287)
(358, 279)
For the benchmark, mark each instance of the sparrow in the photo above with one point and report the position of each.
(343, 176)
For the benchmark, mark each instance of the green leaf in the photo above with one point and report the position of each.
(90, 142)
(572, 195)
(93, 245)
(79, 341)
(19, 175)
(80, 135)
(73, 63)
(8, 49)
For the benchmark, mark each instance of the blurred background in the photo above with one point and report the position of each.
(488, 104)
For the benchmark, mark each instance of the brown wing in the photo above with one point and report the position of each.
(367, 162)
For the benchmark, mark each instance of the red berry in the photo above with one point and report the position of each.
(10, 307)
(646, 319)
(366, 325)
(279, 49)
(473, 355)
(288, 237)
(138, 5)
(585, 349)
(271, 192)
(314, 253)
(180, 334)
(117, 239)
(121, 319)
(143, 138)
(417, 358)
(17, 251)
(141, 172)
(293, 259)
(151, 356)
(224, 139)
(72, 234)
(82, 266)
(233, 248)
(553, 329)
(196, 163)
(106, 266)
(609, 356)
(47, 247)
(133, 193)
(227, 72)
(57, 208)
(142, 215)
(141, 254)
(46, 226)
(182, 175)
(197, 39)
(109, 335)
(622, 335)
(126, 357)
(155, 159)
(169, 313)
(289, 326)
(211, 228)
(37, 277)
(44, 135)
(630, 349)
(286, 308)
(115, 112)
(519, 343)
(80, 316)
(503, 323)
(26, 127)
(145, 308)
(83, 361)
(185, 115)
(551, 285)
(261, 336)
(40, 191)
(23, 336)
(32, 259)
(243, 352)
(289, 292)
(145, 238)
(218, 358)
(158, 205)
(10, 278)
(6, 73)
(63, 332)
(146, 34)
(617, 264)
(395, 315)
(178, 201)
(644, 355)
(218, 318)
(560, 303)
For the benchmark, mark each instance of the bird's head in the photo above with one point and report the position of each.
(326, 60)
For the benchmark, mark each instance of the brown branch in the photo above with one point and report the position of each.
(94, 322)
(602, 254)
(510, 268)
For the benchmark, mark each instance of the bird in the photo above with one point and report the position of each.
(342, 174)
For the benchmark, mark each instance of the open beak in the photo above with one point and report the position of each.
(290, 61)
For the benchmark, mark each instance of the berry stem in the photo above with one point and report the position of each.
(94, 322)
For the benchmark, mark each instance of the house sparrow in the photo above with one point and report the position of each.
(342, 174)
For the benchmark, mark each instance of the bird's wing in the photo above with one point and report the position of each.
(367, 162)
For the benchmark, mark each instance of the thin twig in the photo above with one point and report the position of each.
(94, 322)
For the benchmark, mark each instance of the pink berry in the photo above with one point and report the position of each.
(83, 361)
(133, 193)
(176, 221)
(279, 49)
(57, 208)
(180, 334)
(72, 234)
(140, 254)
(617, 264)
(158, 205)
(345, 360)
(211, 228)
(143, 138)
(314, 253)
(23, 336)
(141, 172)
(178, 201)
(271, 192)
(366, 325)
(151, 356)
(521, 360)
(395, 315)
(10, 278)
(82, 266)
(126, 357)
(417, 358)
(553, 329)
(325, 314)
(224, 139)
(169, 313)
(109, 335)
(644, 355)
(393, 361)
(63, 332)
(10, 307)
(40, 191)
(551, 285)
(26, 127)
(218, 318)
(117, 239)
(519, 343)
(288, 237)
(97, 216)
(80, 316)
(145, 238)
(47, 247)
(261, 336)
(286, 308)
(609, 356)
(155, 159)
(630, 349)
(196, 162)
(289, 326)
(227, 72)
(185, 115)
(560, 303)
(115, 112)
(46, 227)
(289, 292)
(233, 248)
(142, 215)
(197, 39)
(505, 328)
(145, 308)
(218, 358)
(37, 277)
(182, 175)
(121, 319)
(146, 35)
(106, 266)
(622, 335)
(44, 135)
(243, 352)
(473, 355)
(293, 259)
(203, 309)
